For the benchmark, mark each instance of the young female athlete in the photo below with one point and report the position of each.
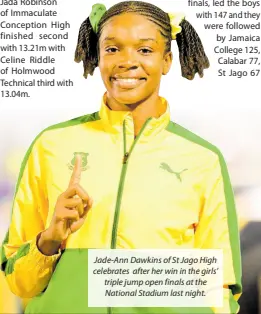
(124, 177)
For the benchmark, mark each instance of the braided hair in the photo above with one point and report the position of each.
(191, 52)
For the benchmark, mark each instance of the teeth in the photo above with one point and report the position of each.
(127, 80)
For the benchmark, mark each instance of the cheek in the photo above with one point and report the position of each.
(153, 67)
(104, 64)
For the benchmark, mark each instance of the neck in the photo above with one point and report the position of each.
(151, 107)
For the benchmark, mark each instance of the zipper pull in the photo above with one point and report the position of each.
(125, 158)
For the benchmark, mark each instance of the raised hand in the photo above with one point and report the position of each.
(70, 211)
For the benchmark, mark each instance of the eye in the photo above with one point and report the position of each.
(110, 49)
(146, 50)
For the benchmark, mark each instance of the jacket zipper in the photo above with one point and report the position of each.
(126, 157)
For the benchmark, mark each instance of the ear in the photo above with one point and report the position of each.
(167, 61)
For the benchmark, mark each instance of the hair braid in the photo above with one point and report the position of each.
(87, 39)
(191, 52)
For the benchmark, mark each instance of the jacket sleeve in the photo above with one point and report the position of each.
(218, 229)
(27, 270)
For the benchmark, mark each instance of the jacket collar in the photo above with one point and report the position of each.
(113, 120)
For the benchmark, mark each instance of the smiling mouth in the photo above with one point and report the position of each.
(128, 83)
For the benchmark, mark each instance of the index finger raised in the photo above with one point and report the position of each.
(76, 174)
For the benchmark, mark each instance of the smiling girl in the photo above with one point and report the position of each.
(126, 176)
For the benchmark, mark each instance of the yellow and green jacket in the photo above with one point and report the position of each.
(167, 188)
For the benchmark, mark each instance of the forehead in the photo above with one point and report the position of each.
(130, 25)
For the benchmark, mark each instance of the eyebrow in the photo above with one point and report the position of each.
(140, 40)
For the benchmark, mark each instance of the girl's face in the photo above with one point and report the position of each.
(132, 59)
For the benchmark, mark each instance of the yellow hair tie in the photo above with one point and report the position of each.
(175, 20)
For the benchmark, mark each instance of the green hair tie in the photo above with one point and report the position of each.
(98, 10)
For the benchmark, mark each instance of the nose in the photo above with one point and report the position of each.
(128, 65)
(128, 60)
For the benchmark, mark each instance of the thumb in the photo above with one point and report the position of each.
(76, 225)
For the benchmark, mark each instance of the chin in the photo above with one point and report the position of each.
(128, 97)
